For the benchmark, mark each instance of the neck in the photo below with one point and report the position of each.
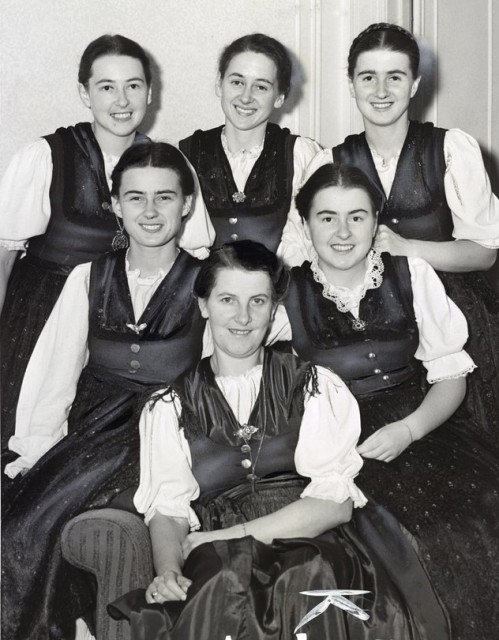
(110, 144)
(237, 139)
(149, 260)
(387, 141)
(225, 365)
(349, 278)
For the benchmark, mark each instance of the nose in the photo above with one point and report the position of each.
(150, 209)
(122, 98)
(243, 315)
(381, 89)
(343, 230)
(246, 95)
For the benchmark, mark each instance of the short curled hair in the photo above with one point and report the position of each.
(336, 175)
(248, 256)
(112, 45)
(383, 35)
(159, 155)
(270, 47)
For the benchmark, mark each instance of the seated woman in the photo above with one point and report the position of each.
(123, 324)
(250, 168)
(375, 322)
(439, 205)
(247, 482)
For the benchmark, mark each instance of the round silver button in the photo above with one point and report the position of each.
(232, 220)
(386, 377)
(134, 364)
(371, 355)
(135, 348)
(377, 371)
(395, 220)
(234, 236)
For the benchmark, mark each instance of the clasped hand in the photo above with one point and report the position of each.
(386, 443)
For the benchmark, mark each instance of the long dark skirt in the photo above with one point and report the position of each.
(41, 594)
(250, 590)
(33, 290)
(444, 490)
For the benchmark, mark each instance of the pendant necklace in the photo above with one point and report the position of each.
(246, 433)
(120, 240)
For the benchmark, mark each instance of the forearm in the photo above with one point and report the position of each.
(7, 259)
(454, 256)
(307, 517)
(167, 535)
(441, 401)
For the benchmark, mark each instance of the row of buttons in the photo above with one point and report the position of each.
(371, 356)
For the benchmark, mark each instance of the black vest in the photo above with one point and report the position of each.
(375, 359)
(171, 340)
(82, 224)
(417, 206)
(210, 425)
(267, 193)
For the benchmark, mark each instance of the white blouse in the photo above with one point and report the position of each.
(325, 451)
(474, 208)
(241, 164)
(49, 384)
(25, 202)
(443, 330)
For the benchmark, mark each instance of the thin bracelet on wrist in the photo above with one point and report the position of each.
(409, 429)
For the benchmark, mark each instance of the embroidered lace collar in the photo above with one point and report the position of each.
(254, 152)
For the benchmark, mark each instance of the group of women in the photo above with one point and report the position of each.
(136, 363)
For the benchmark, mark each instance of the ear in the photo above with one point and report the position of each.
(415, 86)
(186, 209)
(82, 90)
(351, 87)
(116, 206)
(202, 308)
(279, 101)
(306, 229)
(149, 95)
(218, 86)
(375, 230)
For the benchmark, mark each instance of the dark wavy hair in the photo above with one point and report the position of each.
(112, 45)
(270, 47)
(248, 256)
(383, 35)
(159, 155)
(336, 175)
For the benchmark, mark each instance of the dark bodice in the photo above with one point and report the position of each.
(381, 356)
(82, 224)
(417, 206)
(168, 336)
(211, 426)
(262, 214)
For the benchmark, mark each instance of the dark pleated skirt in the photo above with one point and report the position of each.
(33, 290)
(444, 489)
(476, 298)
(250, 590)
(42, 595)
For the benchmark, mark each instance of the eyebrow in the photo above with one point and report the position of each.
(332, 212)
(160, 191)
(240, 75)
(111, 81)
(371, 72)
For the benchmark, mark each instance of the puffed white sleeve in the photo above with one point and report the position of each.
(443, 330)
(294, 245)
(197, 234)
(167, 485)
(475, 209)
(326, 450)
(24, 195)
(51, 377)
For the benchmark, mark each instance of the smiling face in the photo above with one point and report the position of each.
(342, 225)
(117, 94)
(383, 86)
(151, 203)
(249, 91)
(239, 310)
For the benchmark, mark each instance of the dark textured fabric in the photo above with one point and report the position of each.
(443, 488)
(417, 208)
(377, 358)
(251, 590)
(267, 193)
(79, 230)
(98, 459)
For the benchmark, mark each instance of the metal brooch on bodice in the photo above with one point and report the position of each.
(358, 324)
(239, 196)
(136, 327)
(246, 433)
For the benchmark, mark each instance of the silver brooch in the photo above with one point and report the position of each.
(358, 324)
(246, 432)
(137, 327)
(239, 197)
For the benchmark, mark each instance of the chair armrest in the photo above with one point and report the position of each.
(114, 546)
